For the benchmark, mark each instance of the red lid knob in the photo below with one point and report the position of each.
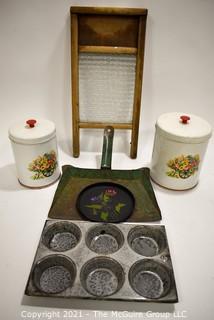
(184, 119)
(31, 123)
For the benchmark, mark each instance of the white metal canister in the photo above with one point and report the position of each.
(35, 151)
(179, 148)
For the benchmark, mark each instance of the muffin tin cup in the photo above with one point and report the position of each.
(120, 272)
(61, 236)
(102, 276)
(104, 239)
(150, 279)
(147, 241)
(54, 274)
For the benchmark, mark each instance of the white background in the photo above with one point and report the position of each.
(35, 83)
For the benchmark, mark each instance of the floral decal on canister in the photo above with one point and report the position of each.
(43, 166)
(183, 166)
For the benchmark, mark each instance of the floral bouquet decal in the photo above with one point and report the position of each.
(43, 166)
(103, 204)
(183, 166)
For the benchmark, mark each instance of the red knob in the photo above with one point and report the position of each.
(31, 123)
(184, 119)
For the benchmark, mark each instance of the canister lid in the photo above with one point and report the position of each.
(183, 127)
(32, 131)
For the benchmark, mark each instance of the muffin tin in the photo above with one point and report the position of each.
(126, 261)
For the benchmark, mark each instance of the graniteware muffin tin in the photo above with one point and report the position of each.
(125, 261)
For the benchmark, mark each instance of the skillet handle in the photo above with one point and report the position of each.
(107, 147)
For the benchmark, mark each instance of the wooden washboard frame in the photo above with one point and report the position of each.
(125, 35)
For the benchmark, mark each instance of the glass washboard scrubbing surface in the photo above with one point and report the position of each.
(106, 84)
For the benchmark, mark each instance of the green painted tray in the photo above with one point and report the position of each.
(74, 180)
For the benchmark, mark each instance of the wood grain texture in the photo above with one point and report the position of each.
(109, 10)
(107, 49)
(102, 125)
(138, 87)
(107, 30)
(75, 83)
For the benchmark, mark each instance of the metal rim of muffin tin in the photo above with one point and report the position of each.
(134, 264)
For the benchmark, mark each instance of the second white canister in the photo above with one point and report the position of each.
(35, 151)
(179, 148)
